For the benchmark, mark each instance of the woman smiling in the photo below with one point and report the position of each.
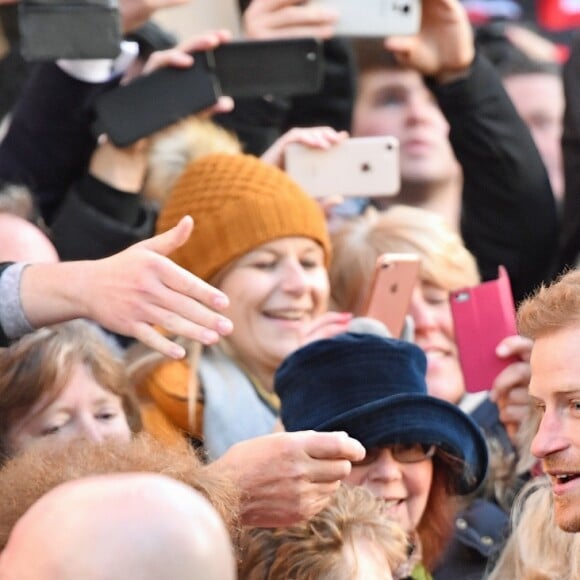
(263, 241)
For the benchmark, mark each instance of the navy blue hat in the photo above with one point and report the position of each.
(374, 389)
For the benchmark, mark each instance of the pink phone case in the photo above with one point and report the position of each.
(483, 316)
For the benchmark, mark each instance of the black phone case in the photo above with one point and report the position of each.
(281, 68)
(237, 69)
(150, 103)
(51, 29)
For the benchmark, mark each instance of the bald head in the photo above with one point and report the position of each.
(111, 527)
(22, 241)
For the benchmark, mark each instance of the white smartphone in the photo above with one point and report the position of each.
(375, 18)
(356, 167)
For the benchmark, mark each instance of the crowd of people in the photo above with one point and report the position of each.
(190, 384)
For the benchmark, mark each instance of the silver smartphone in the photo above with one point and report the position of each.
(375, 18)
(356, 167)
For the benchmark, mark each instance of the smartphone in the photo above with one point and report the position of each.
(76, 29)
(280, 67)
(375, 18)
(389, 298)
(151, 103)
(356, 167)
(482, 317)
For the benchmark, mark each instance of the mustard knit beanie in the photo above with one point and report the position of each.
(238, 203)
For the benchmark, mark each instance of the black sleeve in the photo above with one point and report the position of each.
(49, 141)
(97, 220)
(570, 235)
(508, 211)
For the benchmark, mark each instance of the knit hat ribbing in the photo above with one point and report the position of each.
(238, 203)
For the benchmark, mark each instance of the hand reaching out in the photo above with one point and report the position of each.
(130, 293)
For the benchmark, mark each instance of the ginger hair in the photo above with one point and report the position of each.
(27, 477)
(551, 308)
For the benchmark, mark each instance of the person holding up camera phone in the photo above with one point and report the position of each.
(445, 103)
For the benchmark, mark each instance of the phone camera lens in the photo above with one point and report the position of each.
(365, 167)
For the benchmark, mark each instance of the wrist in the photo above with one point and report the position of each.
(448, 76)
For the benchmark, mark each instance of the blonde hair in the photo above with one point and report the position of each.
(318, 549)
(552, 307)
(445, 261)
(174, 149)
(537, 548)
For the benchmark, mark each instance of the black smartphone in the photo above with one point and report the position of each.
(238, 69)
(255, 68)
(150, 103)
(77, 29)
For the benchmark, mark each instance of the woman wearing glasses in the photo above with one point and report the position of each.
(422, 451)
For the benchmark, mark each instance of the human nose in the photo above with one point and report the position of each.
(418, 110)
(550, 437)
(385, 467)
(421, 313)
(90, 430)
(294, 278)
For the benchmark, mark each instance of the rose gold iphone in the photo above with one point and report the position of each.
(390, 294)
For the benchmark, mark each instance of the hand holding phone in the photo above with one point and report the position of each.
(356, 167)
(483, 316)
(390, 294)
(236, 69)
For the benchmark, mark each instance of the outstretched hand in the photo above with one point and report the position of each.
(134, 292)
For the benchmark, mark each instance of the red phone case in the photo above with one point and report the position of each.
(483, 316)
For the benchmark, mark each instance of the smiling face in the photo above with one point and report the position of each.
(397, 102)
(82, 410)
(404, 487)
(434, 333)
(555, 391)
(275, 292)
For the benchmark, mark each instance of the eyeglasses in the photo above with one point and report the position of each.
(401, 452)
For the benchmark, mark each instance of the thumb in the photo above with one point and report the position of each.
(172, 239)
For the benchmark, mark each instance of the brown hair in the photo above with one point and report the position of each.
(41, 363)
(315, 550)
(26, 478)
(436, 525)
(445, 261)
(552, 307)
